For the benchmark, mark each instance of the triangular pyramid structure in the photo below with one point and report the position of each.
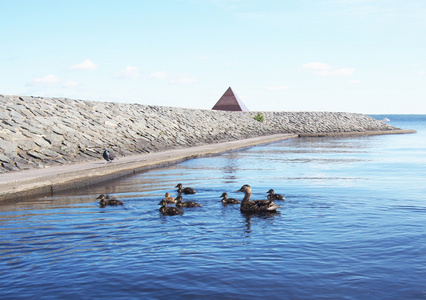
(230, 102)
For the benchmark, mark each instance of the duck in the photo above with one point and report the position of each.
(169, 210)
(180, 204)
(226, 200)
(108, 155)
(169, 199)
(273, 196)
(186, 190)
(106, 200)
(257, 206)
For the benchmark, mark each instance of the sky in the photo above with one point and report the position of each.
(363, 56)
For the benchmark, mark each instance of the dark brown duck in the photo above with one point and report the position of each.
(169, 210)
(226, 200)
(180, 203)
(106, 200)
(184, 190)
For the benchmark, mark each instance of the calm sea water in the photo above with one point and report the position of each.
(353, 226)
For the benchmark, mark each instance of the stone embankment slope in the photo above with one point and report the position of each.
(36, 132)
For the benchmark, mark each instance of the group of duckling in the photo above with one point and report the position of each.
(247, 205)
(179, 203)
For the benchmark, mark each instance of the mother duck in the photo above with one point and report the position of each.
(248, 206)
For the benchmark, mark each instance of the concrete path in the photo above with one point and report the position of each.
(48, 180)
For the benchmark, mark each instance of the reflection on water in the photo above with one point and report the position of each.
(352, 226)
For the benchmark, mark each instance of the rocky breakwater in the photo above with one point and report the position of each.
(36, 132)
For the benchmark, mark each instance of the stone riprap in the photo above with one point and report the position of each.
(36, 132)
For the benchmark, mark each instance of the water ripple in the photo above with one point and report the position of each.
(352, 226)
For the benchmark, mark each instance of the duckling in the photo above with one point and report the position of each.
(179, 203)
(169, 199)
(169, 210)
(226, 200)
(273, 196)
(108, 155)
(186, 190)
(256, 206)
(106, 200)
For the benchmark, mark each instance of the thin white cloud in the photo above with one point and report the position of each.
(354, 81)
(173, 79)
(277, 88)
(202, 58)
(159, 75)
(352, 1)
(86, 65)
(183, 80)
(48, 79)
(128, 72)
(71, 84)
(421, 73)
(317, 66)
(323, 69)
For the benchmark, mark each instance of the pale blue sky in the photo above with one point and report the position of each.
(365, 56)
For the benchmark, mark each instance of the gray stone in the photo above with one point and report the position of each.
(4, 158)
(26, 145)
(8, 147)
(9, 167)
(41, 142)
(48, 152)
(37, 155)
(4, 115)
(32, 128)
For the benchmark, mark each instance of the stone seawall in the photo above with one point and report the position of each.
(36, 132)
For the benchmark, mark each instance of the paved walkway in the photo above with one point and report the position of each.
(45, 181)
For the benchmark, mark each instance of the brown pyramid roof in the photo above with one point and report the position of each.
(230, 102)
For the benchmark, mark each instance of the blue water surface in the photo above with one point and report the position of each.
(352, 226)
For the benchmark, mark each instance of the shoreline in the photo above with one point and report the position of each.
(331, 134)
(54, 144)
(38, 132)
(46, 181)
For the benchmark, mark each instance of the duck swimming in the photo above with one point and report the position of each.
(180, 204)
(169, 199)
(226, 200)
(256, 206)
(186, 190)
(169, 210)
(273, 196)
(106, 200)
